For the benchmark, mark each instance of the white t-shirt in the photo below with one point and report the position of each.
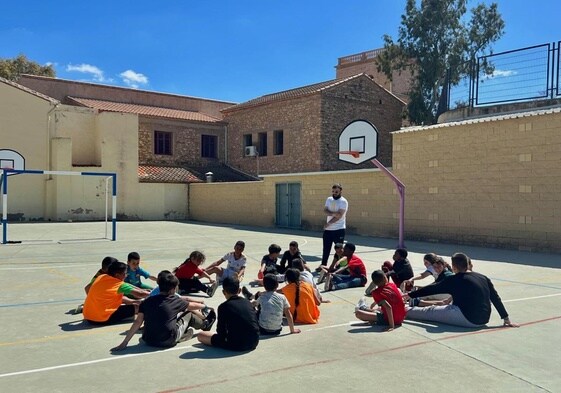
(334, 205)
(272, 309)
(233, 263)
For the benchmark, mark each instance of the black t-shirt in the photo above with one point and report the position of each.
(237, 327)
(160, 319)
(287, 257)
(471, 292)
(403, 269)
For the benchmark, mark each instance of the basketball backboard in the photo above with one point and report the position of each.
(358, 142)
(11, 159)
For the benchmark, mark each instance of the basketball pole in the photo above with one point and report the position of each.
(401, 190)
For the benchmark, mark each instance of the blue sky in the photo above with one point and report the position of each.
(226, 50)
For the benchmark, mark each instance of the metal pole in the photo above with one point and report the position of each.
(114, 209)
(4, 207)
(401, 189)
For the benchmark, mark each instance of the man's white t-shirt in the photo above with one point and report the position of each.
(233, 263)
(334, 205)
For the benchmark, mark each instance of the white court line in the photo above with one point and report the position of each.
(531, 298)
(117, 357)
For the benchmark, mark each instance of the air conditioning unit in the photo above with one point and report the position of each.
(250, 151)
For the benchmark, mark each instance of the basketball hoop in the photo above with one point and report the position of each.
(355, 154)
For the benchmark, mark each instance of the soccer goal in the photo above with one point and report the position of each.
(108, 181)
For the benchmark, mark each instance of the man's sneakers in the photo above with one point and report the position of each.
(211, 289)
(78, 310)
(328, 286)
(209, 320)
(361, 305)
(187, 335)
(248, 295)
(321, 277)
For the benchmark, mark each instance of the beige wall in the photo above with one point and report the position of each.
(370, 194)
(23, 128)
(80, 140)
(494, 183)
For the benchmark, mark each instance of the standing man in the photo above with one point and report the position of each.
(335, 209)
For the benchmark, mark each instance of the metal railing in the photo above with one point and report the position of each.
(525, 74)
(358, 57)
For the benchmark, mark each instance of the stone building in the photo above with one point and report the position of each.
(365, 62)
(297, 130)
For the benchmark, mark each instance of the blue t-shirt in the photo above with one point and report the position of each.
(133, 276)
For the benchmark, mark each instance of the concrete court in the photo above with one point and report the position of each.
(44, 349)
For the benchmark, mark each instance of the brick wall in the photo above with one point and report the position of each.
(299, 119)
(399, 85)
(186, 145)
(358, 99)
(311, 126)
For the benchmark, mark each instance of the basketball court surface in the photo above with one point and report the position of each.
(45, 348)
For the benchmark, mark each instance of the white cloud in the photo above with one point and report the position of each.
(133, 79)
(500, 74)
(95, 72)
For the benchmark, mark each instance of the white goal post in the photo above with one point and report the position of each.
(5, 172)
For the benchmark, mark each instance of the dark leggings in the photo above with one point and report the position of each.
(329, 238)
(191, 285)
(125, 311)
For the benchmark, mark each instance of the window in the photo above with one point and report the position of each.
(209, 145)
(262, 144)
(247, 140)
(278, 143)
(162, 143)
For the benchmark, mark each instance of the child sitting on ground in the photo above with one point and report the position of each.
(237, 327)
(339, 261)
(308, 277)
(272, 305)
(400, 270)
(104, 266)
(302, 298)
(388, 299)
(134, 272)
(269, 262)
(167, 318)
(428, 260)
(189, 272)
(289, 255)
(236, 264)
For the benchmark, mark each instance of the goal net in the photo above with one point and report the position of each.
(84, 204)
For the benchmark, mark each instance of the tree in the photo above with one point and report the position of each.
(11, 69)
(436, 43)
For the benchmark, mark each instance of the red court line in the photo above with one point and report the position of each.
(491, 330)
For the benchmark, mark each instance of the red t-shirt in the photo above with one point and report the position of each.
(356, 267)
(392, 295)
(188, 270)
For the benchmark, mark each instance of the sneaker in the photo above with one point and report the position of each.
(79, 309)
(205, 311)
(321, 277)
(248, 295)
(328, 282)
(211, 290)
(209, 320)
(414, 302)
(187, 335)
(318, 269)
(361, 305)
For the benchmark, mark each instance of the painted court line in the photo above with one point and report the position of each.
(62, 366)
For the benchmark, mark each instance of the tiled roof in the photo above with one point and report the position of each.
(290, 94)
(166, 174)
(144, 110)
(30, 91)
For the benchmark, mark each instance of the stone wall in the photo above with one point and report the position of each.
(186, 142)
(311, 127)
